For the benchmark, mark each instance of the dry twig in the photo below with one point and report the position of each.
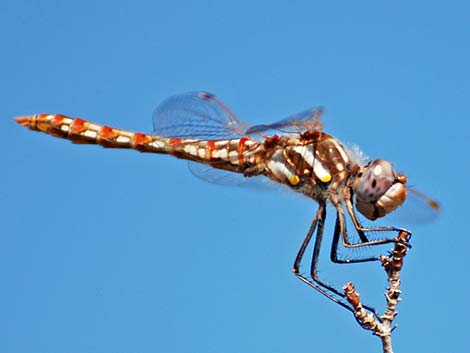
(392, 265)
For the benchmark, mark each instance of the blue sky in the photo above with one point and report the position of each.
(115, 251)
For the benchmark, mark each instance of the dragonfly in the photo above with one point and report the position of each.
(294, 152)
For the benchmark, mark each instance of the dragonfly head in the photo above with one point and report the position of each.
(379, 189)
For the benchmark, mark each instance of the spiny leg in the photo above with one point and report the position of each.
(341, 231)
(328, 291)
(362, 230)
(316, 256)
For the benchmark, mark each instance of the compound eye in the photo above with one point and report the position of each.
(377, 178)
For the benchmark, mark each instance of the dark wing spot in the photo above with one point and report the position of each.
(374, 183)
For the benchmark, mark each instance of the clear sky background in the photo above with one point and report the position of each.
(116, 251)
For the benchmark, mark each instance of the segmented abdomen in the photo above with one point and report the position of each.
(79, 130)
(234, 155)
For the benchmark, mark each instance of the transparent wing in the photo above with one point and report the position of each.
(199, 115)
(417, 209)
(222, 177)
(202, 115)
(307, 120)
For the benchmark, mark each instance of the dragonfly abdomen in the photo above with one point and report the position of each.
(82, 131)
(236, 155)
(232, 154)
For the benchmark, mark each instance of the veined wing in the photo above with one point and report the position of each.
(307, 120)
(199, 115)
(202, 115)
(417, 209)
(226, 178)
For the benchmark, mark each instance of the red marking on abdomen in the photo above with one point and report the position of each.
(175, 141)
(210, 147)
(140, 138)
(241, 150)
(108, 133)
(56, 120)
(78, 126)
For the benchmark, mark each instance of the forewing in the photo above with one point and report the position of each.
(198, 115)
(307, 120)
(417, 209)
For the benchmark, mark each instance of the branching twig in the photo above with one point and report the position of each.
(392, 265)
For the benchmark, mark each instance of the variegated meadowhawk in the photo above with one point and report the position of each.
(198, 127)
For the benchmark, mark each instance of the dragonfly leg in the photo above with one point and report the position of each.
(341, 232)
(362, 230)
(328, 291)
(314, 281)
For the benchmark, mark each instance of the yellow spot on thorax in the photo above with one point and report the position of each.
(326, 178)
(294, 179)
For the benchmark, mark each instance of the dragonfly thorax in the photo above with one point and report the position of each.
(314, 164)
